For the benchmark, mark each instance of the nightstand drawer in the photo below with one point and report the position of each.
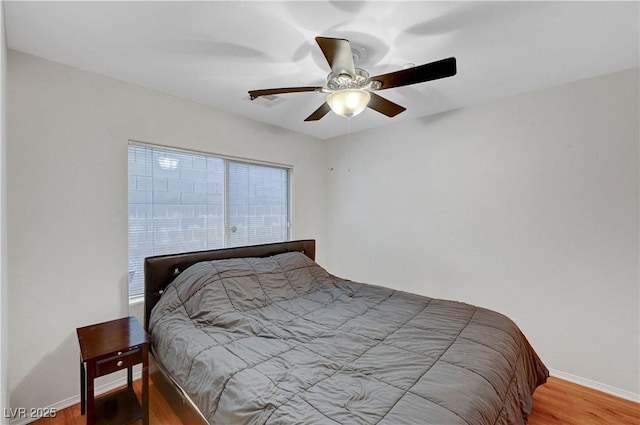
(119, 361)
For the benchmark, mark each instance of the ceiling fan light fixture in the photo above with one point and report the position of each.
(349, 102)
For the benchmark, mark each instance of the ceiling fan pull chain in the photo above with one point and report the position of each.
(349, 144)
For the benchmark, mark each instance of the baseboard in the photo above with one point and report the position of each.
(76, 398)
(627, 395)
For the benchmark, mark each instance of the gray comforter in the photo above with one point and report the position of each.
(280, 341)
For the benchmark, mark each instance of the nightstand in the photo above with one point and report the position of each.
(106, 348)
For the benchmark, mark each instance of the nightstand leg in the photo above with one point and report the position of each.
(130, 376)
(83, 389)
(90, 396)
(145, 384)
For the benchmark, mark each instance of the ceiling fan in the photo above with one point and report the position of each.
(351, 89)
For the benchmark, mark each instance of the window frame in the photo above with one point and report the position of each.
(139, 298)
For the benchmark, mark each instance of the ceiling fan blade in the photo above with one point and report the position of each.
(257, 93)
(385, 106)
(338, 53)
(323, 110)
(418, 74)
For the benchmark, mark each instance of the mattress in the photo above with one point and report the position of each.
(279, 340)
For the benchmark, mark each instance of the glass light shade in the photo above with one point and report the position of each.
(348, 102)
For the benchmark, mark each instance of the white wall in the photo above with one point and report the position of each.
(4, 333)
(527, 205)
(67, 198)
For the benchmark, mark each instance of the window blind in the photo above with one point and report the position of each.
(182, 201)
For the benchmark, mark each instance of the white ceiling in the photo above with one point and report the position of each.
(213, 52)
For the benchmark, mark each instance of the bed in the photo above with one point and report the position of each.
(265, 335)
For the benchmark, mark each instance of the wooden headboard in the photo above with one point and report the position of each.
(159, 271)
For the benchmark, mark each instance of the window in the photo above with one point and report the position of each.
(182, 201)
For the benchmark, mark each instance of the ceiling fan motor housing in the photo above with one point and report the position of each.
(360, 81)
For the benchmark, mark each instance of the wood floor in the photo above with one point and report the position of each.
(558, 402)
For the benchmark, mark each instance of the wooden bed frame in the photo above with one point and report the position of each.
(160, 271)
